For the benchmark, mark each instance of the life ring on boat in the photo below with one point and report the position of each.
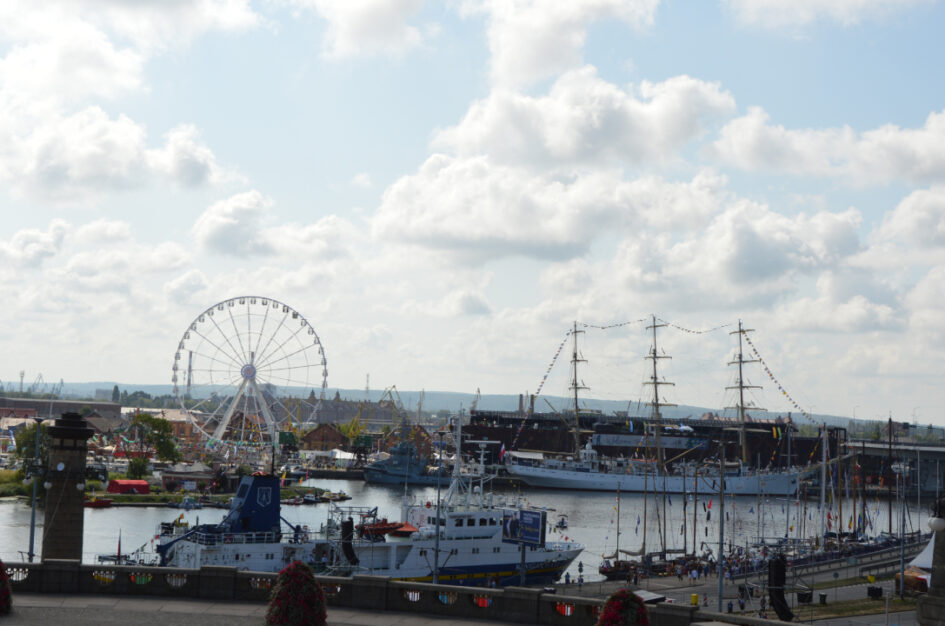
(429, 504)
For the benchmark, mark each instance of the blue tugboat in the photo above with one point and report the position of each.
(406, 465)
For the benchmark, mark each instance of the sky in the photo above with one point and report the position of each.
(443, 188)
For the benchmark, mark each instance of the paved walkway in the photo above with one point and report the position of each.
(82, 610)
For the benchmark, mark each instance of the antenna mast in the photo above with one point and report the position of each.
(741, 386)
(656, 382)
(575, 387)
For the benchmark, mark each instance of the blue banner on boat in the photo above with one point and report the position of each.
(524, 526)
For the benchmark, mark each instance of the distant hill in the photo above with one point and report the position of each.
(455, 401)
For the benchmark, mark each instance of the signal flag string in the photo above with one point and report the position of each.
(553, 361)
(609, 326)
(776, 381)
(690, 331)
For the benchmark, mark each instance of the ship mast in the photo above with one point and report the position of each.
(575, 387)
(656, 382)
(654, 356)
(741, 386)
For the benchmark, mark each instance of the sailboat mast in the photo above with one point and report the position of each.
(646, 498)
(685, 536)
(617, 549)
(575, 387)
(656, 382)
(823, 483)
(695, 507)
(721, 519)
(741, 386)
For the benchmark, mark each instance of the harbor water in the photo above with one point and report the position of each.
(592, 520)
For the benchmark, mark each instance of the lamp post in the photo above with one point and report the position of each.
(436, 540)
(36, 435)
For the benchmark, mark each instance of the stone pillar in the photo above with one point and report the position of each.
(65, 474)
(930, 608)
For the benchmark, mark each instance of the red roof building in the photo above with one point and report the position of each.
(128, 486)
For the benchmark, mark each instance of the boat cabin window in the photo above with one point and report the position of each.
(470, 522)
(482, 521)
(493, 522)
(458, 522)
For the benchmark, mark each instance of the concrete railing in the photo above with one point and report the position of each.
(510, 604)
(374, 593)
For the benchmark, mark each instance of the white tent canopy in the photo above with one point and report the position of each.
(924, 558)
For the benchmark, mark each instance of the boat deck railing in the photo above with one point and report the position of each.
(212, 539)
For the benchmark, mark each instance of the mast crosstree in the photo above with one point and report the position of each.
(741, 361)
(575, 387)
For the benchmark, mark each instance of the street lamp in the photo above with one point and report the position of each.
(36, 436)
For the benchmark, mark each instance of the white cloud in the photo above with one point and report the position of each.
(183, 287)
(367, 27)
(362, 180)
(184, 160)
(80, 61)
(587, 120)
(73, 158)
(475, 210)
(54, 143)
(826, 312)
(877, 156)
(926, 301)
(232, 227)
(102, 231)
(30, 247)
(534, 39)
(748, 256)
(782, 13)
(331, 238)
(917, 221)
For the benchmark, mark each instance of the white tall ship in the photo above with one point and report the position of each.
(652, 474)
(589, 472)
(478, 543)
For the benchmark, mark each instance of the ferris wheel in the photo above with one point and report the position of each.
(248, 366)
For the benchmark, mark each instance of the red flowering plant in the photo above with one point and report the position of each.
(6, 598)
(296, 598)
(624, 608)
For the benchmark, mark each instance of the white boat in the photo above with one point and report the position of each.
(588, 472)
(480, 541)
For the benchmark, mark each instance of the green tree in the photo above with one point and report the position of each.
(26, 442)
(138, 467)
(157, 433)
(116, 395)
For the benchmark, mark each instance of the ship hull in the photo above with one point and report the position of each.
(483, 562)
(380, 477)
(775, 484)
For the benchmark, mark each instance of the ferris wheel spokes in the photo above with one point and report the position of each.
(244, 368)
